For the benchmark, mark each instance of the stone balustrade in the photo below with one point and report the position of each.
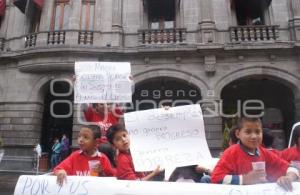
(254, 33)
(56, 37)
(85, 37)
(2, 42)
(162, 36)
(30, 40)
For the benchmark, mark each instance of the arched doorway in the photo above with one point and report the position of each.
(58, 112)
(278, 100)
(155, 92)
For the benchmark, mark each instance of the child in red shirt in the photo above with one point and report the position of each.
(235, 165)
(293, 153)
(119, 138)
(77, 162)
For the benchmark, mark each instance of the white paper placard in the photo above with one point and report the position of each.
(42, 185)
(45, 184)
(169, 138)
(102, 82)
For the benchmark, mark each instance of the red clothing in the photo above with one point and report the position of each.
(290, 154)
(235, 161)
(125, 168)
(2, 7)
(105, 122)
(77, 164)
(274, 151)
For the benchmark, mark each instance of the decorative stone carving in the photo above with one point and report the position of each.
(210, 64)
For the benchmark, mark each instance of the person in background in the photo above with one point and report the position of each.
(293, 153)
(267, 141)
(110, 152)
(56, 149)
(78, 162)
(235, 165)
(118, 136)
(104, 115)
(232, 135)
(65, 146)
(37, 155)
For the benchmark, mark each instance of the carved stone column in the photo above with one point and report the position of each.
(117, 15)
(74, 21)
(295, 5)
(295, 20)
(207, 25)
(117, 28)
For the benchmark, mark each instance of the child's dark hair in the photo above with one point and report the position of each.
(94, 105)
(94, 128)
(112, 130)
(109, 151)
(242, 120)
(296, 135)
(232, 135)
(268, 138)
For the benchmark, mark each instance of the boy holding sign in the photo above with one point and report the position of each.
(249, 163)
(88, 161)
(118, 136)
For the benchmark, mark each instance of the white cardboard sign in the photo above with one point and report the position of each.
(46, 185)
(169, 138)
(102, 82)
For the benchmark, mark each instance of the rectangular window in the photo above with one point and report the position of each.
(250, 12)
(87, 15)
(35, 18)
(161, 14)
(61, 14)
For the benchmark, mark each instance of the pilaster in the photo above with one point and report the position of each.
(207, 25)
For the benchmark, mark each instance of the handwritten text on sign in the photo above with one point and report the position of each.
(38, 185)
(100, 82)
(169, 138)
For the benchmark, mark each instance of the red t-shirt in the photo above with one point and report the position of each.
(125, 168)
(77, 164)
(274, 151)
(104, 122)
(290, 154)
(235, 161)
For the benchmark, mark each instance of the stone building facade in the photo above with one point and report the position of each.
(218, 52)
